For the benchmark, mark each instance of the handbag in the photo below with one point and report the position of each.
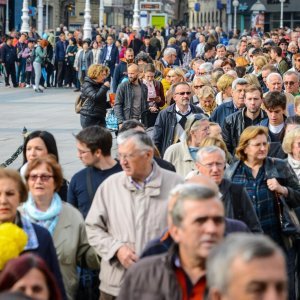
(79, 103)
(111, 120)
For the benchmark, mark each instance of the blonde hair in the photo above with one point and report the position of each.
(224, 82)
(260, 61)
(205, 92)
(289, 139)
(204, 79)
(252, 79)
(178, 72)
(96, 69)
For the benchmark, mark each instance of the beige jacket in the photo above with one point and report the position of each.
(120, 214)
(179, 155)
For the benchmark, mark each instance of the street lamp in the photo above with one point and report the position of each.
(281, 13)
(25, 17)
(136, 16)
(87, 27)
(101, 13)
(235, 4)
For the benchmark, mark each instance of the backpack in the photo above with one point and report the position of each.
(79, 103)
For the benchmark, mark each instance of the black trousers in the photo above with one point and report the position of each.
(10, 71)
(60, 73)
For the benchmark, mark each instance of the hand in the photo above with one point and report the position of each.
(275, 186)
(120, 126)
(126, 256)
(106, 83)
(153, 109)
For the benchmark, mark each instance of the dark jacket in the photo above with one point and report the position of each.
(60, 50)
(238, 205)
(96, 94)
(112, 61)
(221, 112)
(151, 50)
(124, 101)
(283, 172)
(164, 127)
(136, 45)
(8, 54)
(119, 74)
(234, 125)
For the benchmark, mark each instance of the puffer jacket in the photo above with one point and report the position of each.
(95, 92)
(124, 102)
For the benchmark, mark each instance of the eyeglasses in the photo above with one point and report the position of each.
(83, 151)
(219, 165)
(289, 83)
(198, 86)
(43, 177)
(183, 93)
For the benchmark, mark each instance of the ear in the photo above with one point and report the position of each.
(98, 152)
(174, 232)
(214, 294)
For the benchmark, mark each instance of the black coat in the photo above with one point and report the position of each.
(151, 51)
(8, 54)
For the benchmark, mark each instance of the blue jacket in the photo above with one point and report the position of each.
(114, 55)
(193, 47)
(223, 111)
(60, 51)
(119, 74)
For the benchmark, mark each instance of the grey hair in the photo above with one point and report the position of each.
(169, 51)
(239, 81)
(238, 245)
(175, 85)
(273, 75)
(208, 150)
(189, 191)
(208, 67)
(141, 140)
(288, 73)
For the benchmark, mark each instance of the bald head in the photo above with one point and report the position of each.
(133, 73)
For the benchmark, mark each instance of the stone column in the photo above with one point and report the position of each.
(40, 17)
(87, 27)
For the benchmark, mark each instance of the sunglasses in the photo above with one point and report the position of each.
(289, 83)
(183, 93)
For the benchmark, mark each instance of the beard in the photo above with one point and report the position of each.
(133, 79)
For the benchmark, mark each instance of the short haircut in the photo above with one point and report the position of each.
(96, 69)
(289, 73)
(238, 245)
(209, 47)
(274, 74)
(277, 50)
(205, 92)
(274, 99)
(289, 139)
(260, 61)
(293, 119)
(141, 140)
(51, 162)
(253, 88)
(224, 82)
(270, 68)
(189, 192)
(248, 134)
(228, 61)
(129, 50)
(194, 124)
(96, 137)
(175, 85)
(207, 66)
(239, 81)
(130, 124)
(208, 150)
(252, 79)
(16, 177)
(143, 56)
(169, 51)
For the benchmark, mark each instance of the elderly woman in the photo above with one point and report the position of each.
(63, 221)
(266, 179)
(13, 192)
(94, 90)
(224, 87)
(227, 65)
(183, 155)
(291, 146)
(207, 102)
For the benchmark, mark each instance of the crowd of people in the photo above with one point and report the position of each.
(197, 203)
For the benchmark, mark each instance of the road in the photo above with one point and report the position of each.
(52, 110)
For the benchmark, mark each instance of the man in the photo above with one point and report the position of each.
(170, 124)
(128, 210)
(238, 102)
(136, 43)
(291, 82)
(296, 61)
(120, 72)
(211, 162)
(109, 55)
(8, 59)
(148, 48)
(275, 38)
(242, 48)
(221, 51)
(250, 115)
(197, 226)
(94, 150)
(169, 57)
(265, 71)
(247, 267)
(256, 42)
(200, 46)
(276, 56)
(131, 98)
(209, 53)
(60, 55)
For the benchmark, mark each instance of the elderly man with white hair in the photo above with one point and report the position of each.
(169, 57)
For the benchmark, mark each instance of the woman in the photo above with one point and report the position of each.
(13, 192)
(227, 65)
(95, 90)
(207, 103)
(70, 59)
(37, 144)
(186, 55)
(63, 221)
(156, 97)
(76, 64)
(291, 146)
(266, 179)
(40, 53)
(175, 75)
(96, 52)
(30, 275)
(224, 86)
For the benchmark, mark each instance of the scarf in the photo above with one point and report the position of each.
(47, 219)
(295, 164)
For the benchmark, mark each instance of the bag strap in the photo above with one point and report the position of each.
(89, 184)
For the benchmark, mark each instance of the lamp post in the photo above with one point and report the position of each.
(25, 17)
(87, 27)
(136, 16)
(235, 4)
(101, 13)
(40, 18)
(281, 13)
(7, 18)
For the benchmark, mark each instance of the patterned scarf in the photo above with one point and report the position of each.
(47, 219)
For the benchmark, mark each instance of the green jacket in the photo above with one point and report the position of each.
(40, 54)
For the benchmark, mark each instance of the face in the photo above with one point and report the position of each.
(41, 182)
(147, 42)
(33, 284)
(243, 47)
(227, 68)
(283, 46)
(264, 75)
(201, 229)
(149, 76)
(238, 95)
(293, 48)
(197, 85)
(174, 78)
(260, 279)
(257, 148)
(35, 148)
(212, 165)
(109, 40)
(86, 156)
(296, 149)
(297, 62)
(274, 84)
(199, 134)
(275, 115)
(215, 131)
(9, 199)
(221, 52)
(275, 39)
(134, 160)
(129, 56)
(101, 77)
(207, 102)
(255, 43)
(182, 96)
(253, 101)
(133, 74)
(62, 37)
(291, 84)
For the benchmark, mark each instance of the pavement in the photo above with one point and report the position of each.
(52, 110)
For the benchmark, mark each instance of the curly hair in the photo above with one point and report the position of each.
(96, 69)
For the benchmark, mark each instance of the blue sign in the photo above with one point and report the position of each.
(18, 14)
(219, 5)
(197, 7)
(228, 7)
(32, 11)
